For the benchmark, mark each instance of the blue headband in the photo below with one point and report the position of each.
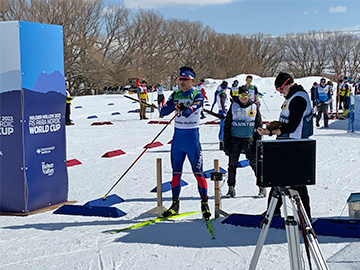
(186, 73)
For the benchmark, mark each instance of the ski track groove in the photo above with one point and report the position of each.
(100, 262)
(47, 257)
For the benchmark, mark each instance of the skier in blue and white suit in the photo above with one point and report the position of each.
(187, 102)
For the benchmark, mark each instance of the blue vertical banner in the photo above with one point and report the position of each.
(42, 102)
(12, 177)
(354, 114)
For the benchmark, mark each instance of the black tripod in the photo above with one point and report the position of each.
(292, 232)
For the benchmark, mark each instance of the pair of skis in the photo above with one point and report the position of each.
(159, 219)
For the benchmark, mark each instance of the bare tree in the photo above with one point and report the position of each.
(266, 54)
(344, 52)
(105, 45)
(306, 54)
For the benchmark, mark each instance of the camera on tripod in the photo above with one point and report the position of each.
(287, 162)
(284, 164)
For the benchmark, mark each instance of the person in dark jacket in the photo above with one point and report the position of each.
(322, 100)
(298, 124)
(242, 120)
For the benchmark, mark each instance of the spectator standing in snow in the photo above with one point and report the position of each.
(345, 90)
(223, 103)
(143, 98)
(234, 91)
(187, 102)
(200, 88)
(312, 93)
(240, 136)
(298, 124)
(68, 105)
(330, 84)
(322, 99)
(253, 90)
(160, 88)
(348, 88)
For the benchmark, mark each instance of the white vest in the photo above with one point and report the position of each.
(160, 90)
(305, 127)
(218, 101)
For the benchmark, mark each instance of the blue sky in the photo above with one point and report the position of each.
(270, 17)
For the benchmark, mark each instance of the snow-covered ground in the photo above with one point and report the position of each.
(49, 241)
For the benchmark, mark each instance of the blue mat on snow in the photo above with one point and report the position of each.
(243, 163)
(253, 221)
(167, 186)
(109, 201)
(208, 172)
(347, 228)
(98, 207)
(81, 210)
(134, 111)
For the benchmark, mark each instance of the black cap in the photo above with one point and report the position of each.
(323, 80)
(282, 78)
(224, 84)
(243, 89)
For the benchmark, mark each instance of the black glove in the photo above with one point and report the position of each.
(275, 125)
(181, 106)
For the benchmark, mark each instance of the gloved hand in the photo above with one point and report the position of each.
(274, 125)
(181, 106)
(186, 112)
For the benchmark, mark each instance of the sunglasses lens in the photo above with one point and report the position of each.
(184, 79)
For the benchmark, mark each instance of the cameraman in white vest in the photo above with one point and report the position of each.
(297, 119)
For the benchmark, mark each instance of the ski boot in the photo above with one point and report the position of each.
(262, 192)
(205, 208)
(231, 193)
(173, 210)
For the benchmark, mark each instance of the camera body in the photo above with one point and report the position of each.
(285, 162)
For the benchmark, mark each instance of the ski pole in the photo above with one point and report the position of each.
(146, 148)
(265, 104)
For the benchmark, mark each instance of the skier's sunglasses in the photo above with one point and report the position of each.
(282, 87)
(184, 79)
(243, 95)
